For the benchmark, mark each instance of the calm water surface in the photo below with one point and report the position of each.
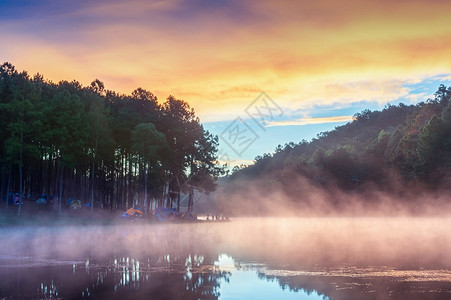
(316, 258)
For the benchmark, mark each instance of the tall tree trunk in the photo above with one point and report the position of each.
(92, 184)
(129, 183)
(3, 184)
(169, 191)
(60, 196)
(8, 186)
(122, 184)
(57, 176)
(115, 195)
(40, 184)
(20, 170)
(119, 184)
(49, 174)
(145, 189)
(135, 180)
(191, 199)
(20, 186)
(85, 182)
(178, 194)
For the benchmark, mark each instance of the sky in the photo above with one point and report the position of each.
(258, 73)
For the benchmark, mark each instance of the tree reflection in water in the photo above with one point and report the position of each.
(162, 277)
(384, 258)
(108, 262)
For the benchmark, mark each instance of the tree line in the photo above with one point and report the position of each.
(105, 148)
(399, 146)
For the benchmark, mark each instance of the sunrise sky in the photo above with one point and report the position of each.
(319, 61)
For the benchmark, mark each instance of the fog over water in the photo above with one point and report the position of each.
(399, 242)
(404, 249)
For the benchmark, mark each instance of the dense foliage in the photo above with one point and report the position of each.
(400, 146)
(104, 148)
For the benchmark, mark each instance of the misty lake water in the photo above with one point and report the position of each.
(248, 258)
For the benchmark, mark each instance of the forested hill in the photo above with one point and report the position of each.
(400, 146)
(104, 148)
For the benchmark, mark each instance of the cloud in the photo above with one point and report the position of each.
(311, 120)
(220, 56)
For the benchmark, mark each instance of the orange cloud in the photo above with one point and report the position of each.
(311, 120)
(219, 58)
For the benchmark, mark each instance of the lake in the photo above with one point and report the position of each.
(247, 258)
